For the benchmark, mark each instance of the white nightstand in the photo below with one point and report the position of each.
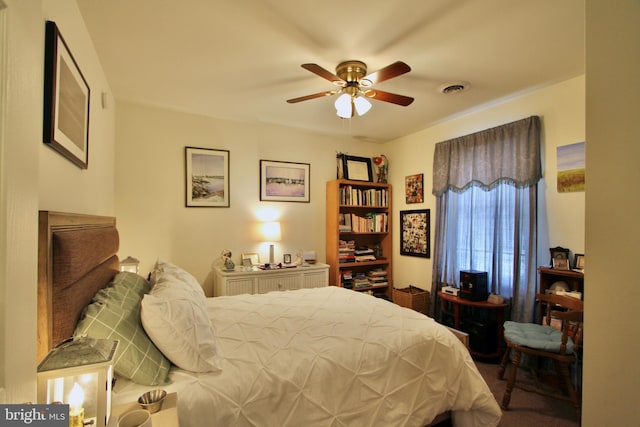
(166, 417)
(256, 281)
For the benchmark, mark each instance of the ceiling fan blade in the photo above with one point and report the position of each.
(394, 98)
(390, 71)
(312, 96)
(325, 74)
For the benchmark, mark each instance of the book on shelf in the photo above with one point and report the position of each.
(356, 196)
(372, 222)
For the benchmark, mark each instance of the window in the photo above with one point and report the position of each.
(486, 189)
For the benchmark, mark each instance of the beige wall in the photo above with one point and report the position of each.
(560, 215)
(150, 187)
(32, 176)
(612, 296)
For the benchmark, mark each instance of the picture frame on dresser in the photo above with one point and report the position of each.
(206, 177)
(415, 233)
(66, 100)
(284, 181)
(357, 168)
(578, 263)
(558, 253)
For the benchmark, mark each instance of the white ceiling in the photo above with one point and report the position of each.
(240, 59)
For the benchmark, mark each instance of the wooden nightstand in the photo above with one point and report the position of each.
(166, 417)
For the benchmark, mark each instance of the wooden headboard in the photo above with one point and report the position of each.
(77, 256)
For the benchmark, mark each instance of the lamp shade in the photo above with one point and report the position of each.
(79, 373)
(271, 231)
(362, 105)
(343, 106)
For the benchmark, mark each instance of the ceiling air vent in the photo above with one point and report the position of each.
(456, 87)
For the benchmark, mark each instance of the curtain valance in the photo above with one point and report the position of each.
(508, 153)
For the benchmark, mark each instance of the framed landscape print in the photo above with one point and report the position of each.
(414, 233)
(284, 181)
(207, 177)
(66, 100)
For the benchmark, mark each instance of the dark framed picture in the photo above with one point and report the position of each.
(579, 262)
(415, 233)
(66, 100)
(207, 177)
(284, 181)
(286, 258)
(558, 253)
(561, 264)
(357, 168)
(413, 188)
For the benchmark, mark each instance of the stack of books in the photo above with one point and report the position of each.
(377, 277)
(346, 251)
(360, 281)
(364, 253)
(347, 279)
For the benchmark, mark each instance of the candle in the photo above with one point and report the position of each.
(76, 411)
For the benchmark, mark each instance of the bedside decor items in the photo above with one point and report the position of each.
(66, 100)
(284, 181)
(130, 264)
(414, 188)
(227, 262)
(382, 165)
(414, 233)
(357, 168)
(79, 372)
(206, 177)
(578, 263)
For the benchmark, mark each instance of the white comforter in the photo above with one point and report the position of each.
(328, 357)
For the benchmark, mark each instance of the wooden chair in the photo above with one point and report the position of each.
(546, 342)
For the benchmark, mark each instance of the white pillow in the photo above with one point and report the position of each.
(174, 316)
(167, 269)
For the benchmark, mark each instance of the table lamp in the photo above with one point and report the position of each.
(271, 233)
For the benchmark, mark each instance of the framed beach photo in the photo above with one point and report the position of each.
(284, 181)
(66, 101)
(207, 177)
(414, 233)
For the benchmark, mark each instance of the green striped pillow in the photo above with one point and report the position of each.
(114, 313)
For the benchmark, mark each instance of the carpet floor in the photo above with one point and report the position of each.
(527, 408)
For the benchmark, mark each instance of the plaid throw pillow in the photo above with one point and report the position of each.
(114, 313)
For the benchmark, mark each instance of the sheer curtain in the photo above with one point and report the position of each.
(486, 202)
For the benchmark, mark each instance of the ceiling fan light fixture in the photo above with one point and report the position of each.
(362, 105)
(343, 106)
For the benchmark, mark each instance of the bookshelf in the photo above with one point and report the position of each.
(359, 236)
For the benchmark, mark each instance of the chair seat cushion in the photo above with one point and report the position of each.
(540, 337)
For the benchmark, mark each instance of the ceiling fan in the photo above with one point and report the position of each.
(356, 86)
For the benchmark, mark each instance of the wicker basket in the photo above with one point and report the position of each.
(412, 297)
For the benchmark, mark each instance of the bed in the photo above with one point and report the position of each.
(313, 357)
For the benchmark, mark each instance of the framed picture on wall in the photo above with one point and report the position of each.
(413, 188)
(414, 233)
(357, 168)
(66, 100)
(284, 181)
(207, 177)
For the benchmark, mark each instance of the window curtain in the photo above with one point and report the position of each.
(486, 202)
